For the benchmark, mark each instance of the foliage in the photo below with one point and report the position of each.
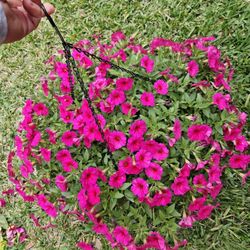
(155, 172)
(227, 20)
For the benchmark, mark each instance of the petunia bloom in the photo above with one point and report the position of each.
(148, 99)
(138, 128)
(124, 84)
(193, 68)
(139, 187)
(180, 186)
(68, 138)
(204, 212)
(117, 179)
(154, 171)
(61, 183)
(41, 109)
(161, 87)
(122, 235)
(147, 64)
(199, 132)
(221, 101)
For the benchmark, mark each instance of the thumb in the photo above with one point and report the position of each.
(33, 8)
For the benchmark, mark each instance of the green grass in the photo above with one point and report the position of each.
(21, 65)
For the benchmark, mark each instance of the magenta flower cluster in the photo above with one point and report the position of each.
(158, 161)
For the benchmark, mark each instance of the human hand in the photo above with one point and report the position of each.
(23, 16)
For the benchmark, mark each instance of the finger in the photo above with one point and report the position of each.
(50, 8)
(14, 3)
(33, 9)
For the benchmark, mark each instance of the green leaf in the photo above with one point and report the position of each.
(118, 195)
(86, 155)
(112, 203)
(3, 222)
(125, 186)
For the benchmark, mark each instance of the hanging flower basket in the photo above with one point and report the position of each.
(141, 152)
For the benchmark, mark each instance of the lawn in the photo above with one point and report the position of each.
(22, 65)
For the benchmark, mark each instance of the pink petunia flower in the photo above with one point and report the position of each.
(116, 140)
(177, 129)
(52, 135)
(89, 176)
(84, 246)
(85, 62)
(214, 174)
(64, 100)
(128, 109)
(66, 116)
(161, 152)
(197, 204)
(180, 186)
(241, 143)
(91, 131)
(220, 81)
(82, 199)
(204, 212)
(117, 179)
(155, 241)
(16, 235)
(45, 88)
(213, 55)
(148, 99)
(106, 106)
(199, 132)
(26, 169)
(139, 188)
(134, 143)
(193, 68)
(214, 190)
(124, 84)
(200, 182)
(162, 198)
(117, 36)
(143, 158)
(122, 235)
(154, 171)
(120, 54)
(41, 109)
(231, 134)
(239, 161)
(161, 87)
(138, 128)
(47, 206)
(117, 97)
(221, 101)
(101, 228)
(150, 146)
(68, 138)
(28, 107)
(2, 202)
(36, 138)
(63, 155)
(127, 166)
(46, 154)
(61, 183)
(187, 222)
(69, 164)
(147, 64)
(19, 146)
(185, 170)
(93, 193)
